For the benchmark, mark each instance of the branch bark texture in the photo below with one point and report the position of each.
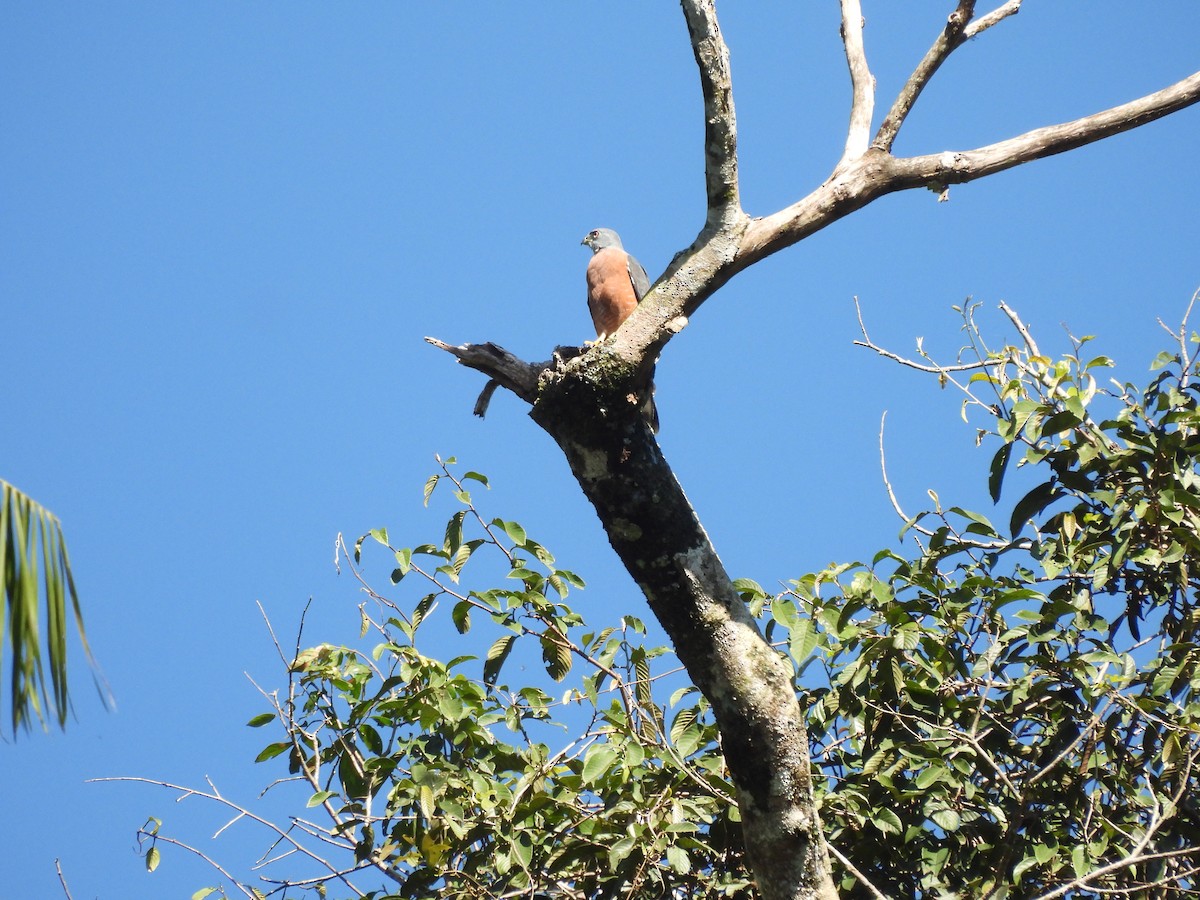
(862, 83)
(587, 400)
(656, 533)
(720, 123)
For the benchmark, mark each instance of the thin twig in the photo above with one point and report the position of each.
(1126, 862)
(1186, 357)
(862, 879)
(186, 792)
(1030, 344)
(159, 838)
(62, 879)
(935, 369)
(888, 484)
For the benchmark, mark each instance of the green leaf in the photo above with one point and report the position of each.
(802, 640)
(461, 616)
(748, 586)
(598, 760)
(261, 719)
(996, 472)
(783, 611)
(496, 656)
(272, 750)
(203, 892)
(429, 486)
(1020, 868)
(887, 821)
(1062, 421)
(635, 755)
(1161, 361)
(677, 859)
(946, 819)
(523, 850)
(152, 859)
(570, 578)
(906, 637)
(556, 654)
(320, 797)
(514, 531)
(476, 476)
(1032, 504)
(620, 850)
(454, 532)
(33, 551)
(1080, 861)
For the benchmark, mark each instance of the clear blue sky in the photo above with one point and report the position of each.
(226, 227)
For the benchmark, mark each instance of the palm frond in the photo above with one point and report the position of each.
(34, 567)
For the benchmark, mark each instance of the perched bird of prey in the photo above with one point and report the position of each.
(616, 283)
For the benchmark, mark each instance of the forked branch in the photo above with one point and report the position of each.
(732, 242)
(878, 173)
(951, 37)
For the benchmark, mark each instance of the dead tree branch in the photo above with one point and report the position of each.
(862, 107)
(969, 165)
(952, 36)
(878, 173)
(997, 15)
(501, 366)
(62, 879)
(720, 123)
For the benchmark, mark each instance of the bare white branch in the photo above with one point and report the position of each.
(969, 165)
(62, 879)
(932, 368)
(876, 173)
(999, 14)
(887, 483)
(1030, 343)
(862, 107)
(720, 123)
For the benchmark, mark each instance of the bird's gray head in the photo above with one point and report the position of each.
(601, 238)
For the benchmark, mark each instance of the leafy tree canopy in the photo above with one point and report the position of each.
(1002, 711)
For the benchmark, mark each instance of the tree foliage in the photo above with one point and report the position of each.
(37, 600)
(994, 711)
(988, 718)
(583, 401)
(1014, 710)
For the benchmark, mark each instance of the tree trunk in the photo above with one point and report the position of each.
(658, 537)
